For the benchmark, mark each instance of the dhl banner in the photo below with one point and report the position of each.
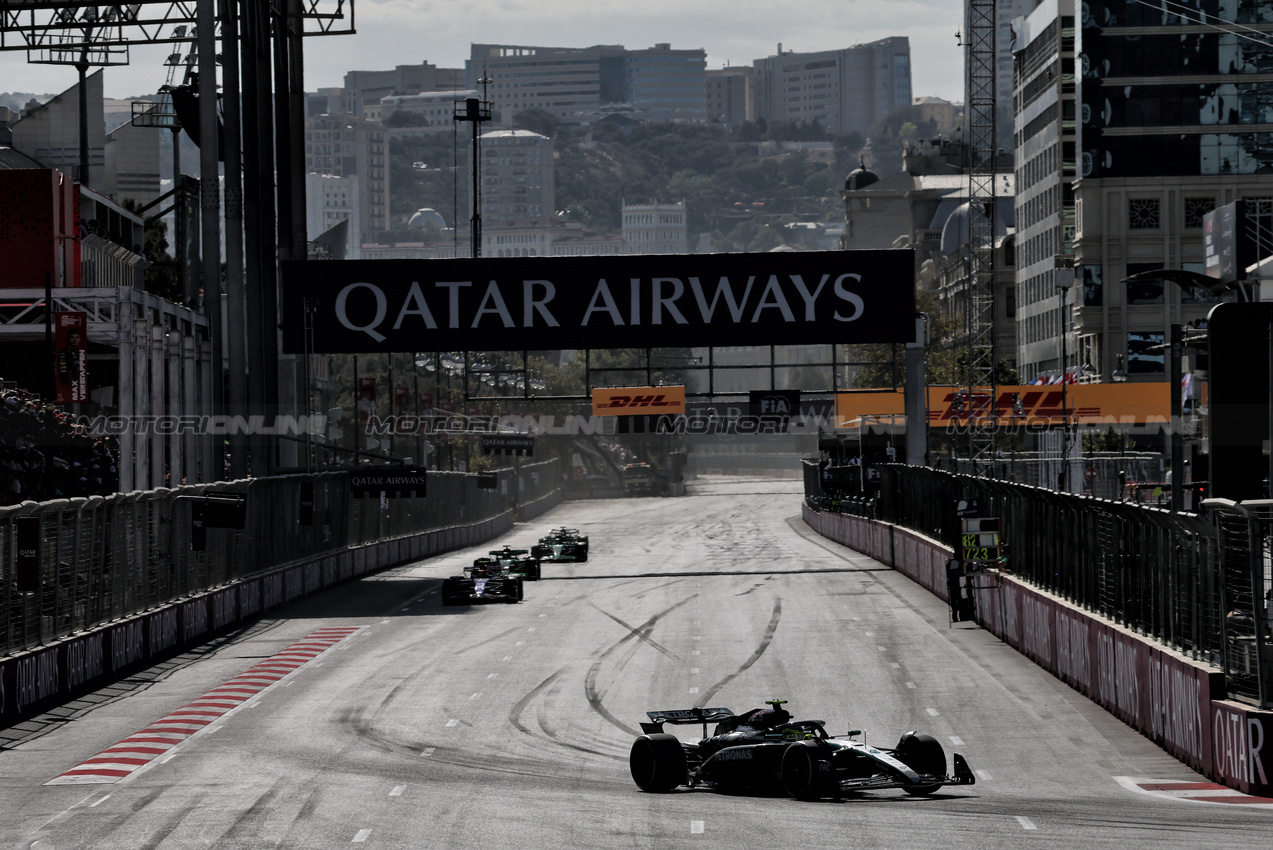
(637, 401)
(1079, 404)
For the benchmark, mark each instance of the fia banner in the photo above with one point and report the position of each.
(532, 303)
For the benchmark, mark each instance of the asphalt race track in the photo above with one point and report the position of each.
(373, 716)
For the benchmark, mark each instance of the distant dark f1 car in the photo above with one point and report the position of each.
(482, 584)
(513, 561)
(561, 544)
(765, 750)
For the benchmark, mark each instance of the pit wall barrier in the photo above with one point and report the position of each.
(1175, 702)
(40, 679)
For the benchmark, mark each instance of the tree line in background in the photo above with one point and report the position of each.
(733, 192)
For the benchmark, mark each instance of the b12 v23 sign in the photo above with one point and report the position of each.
(535, 303)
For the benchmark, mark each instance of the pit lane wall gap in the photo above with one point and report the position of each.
(40, 679)
(1172, 700)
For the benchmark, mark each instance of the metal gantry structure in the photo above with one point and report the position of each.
(254, 123)
(982, 157)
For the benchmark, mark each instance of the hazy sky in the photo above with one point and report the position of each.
(733, 32)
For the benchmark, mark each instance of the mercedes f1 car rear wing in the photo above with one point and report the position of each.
(684, 717)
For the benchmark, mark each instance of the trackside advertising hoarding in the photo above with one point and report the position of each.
(637, 401)
(534, 303)
(1080, 404)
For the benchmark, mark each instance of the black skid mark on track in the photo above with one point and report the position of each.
(253, 817)
(369, 732)
(550, 734)
(774, 618)
(121, 819)
(642, 633)
(596, 697)
(170, 825)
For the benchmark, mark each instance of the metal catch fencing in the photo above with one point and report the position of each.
(105, 558)
(1199, 583)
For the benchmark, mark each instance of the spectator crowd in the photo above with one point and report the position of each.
(45, 455)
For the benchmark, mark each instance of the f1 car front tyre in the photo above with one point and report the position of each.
(924, 755)
(657, 762)
(806, 772)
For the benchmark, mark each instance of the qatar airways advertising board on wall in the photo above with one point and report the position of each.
(531, 303)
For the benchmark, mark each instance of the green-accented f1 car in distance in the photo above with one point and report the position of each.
(765, 749)
(517, 562)
(561, 544)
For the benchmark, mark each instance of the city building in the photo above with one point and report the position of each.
(730, 95)
(947, 116)
(663, 84)
(845, 91)
(131, 164)
(655, 228)
(925, 207)
(571, 242)
(325, 101)
(329, 200)
(366, 88)
(568, 83)
(345, 146)
(519, 237)
(51, 132)
(583, 85)
(517, 176)
(437, 108)
(1121, 153)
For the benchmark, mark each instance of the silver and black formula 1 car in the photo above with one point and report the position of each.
(512, 561)
(482, 584)
(561, 544)
(765, 750)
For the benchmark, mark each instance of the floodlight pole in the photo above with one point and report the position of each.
(475, 111)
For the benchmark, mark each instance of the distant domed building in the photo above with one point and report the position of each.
(860, 178)
(426, 217)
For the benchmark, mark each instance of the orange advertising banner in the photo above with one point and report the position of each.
(637, 401)
(1079, 404)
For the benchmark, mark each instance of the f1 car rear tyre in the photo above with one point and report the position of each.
(805, 771)
(924, 755)
(657, 762)
(519, 592)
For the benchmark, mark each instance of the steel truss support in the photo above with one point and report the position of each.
(980, 316)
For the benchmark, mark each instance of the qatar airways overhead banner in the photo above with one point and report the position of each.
(647, 301)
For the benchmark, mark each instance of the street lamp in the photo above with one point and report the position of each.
(1064, 280)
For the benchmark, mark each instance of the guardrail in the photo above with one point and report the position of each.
(123, 582)
(1141, 567)
(100, 559)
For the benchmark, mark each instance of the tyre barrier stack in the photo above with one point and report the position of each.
(1176, 702)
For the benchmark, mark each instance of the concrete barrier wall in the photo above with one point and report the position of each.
(40, 679)
(1176, 702)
